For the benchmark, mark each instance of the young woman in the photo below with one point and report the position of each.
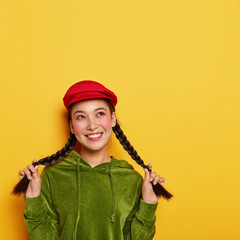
(88, 194)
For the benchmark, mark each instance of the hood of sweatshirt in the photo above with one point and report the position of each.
(75, 162)
(73, 157)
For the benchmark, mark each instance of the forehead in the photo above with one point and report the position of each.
(89, 105)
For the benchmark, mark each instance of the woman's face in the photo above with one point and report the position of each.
(92, 122)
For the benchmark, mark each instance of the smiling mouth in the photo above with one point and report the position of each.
(94, 137)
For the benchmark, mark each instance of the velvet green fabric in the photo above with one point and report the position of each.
(81, 202)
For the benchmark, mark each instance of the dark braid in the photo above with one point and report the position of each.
(158, 188)
(22, 185)
(127, 146)
(60, 154)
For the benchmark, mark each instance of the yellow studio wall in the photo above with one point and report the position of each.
(175, 68)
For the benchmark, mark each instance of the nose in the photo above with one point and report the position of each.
(92, 124)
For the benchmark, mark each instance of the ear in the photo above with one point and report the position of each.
(114, 119)
(71, 127)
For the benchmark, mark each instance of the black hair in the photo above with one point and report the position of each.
(21, 187)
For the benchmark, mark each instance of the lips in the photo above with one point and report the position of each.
(94, 136)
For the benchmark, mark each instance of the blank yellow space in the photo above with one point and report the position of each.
(174, 66)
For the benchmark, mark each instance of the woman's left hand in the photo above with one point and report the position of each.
(148, 194)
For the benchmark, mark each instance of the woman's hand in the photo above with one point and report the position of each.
(148, 194)
(34, 187)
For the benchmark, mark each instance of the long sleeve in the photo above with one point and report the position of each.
(140, 224)
(40, 217)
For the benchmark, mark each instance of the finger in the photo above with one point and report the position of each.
(162, 181)
(152, 176)
(31, 168)
(34, 161)
(156, 179)
(37, 166)
(27, 173)
(36, 173)
(147, 175)
(34, 170)
(21, 174)
(150, 166)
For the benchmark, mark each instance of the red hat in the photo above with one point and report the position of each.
(87, 90)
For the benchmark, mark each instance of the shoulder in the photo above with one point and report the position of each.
(123, 168)
(66, 165)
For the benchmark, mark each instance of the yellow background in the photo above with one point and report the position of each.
(174, 66)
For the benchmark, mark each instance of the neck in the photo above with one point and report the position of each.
(94, 158)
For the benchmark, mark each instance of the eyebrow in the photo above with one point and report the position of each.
(97, 109)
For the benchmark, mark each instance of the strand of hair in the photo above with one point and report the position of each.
(158, 189)
(22, 185)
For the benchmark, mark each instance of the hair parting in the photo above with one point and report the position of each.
(22, 185)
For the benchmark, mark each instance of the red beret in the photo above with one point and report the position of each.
(88, 90)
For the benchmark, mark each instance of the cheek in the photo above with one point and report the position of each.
(77, 127)
(107, 123)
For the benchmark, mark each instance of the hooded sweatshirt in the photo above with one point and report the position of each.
(81, 202)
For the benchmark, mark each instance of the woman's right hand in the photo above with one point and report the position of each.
(34, 187)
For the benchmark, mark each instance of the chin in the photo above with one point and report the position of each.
(93, 147)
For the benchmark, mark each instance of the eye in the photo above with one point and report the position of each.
(80, 117)
(99, 114)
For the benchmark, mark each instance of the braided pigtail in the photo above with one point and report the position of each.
(22, 185)
(158, 188)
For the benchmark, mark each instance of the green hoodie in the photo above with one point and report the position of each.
(81, 202)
